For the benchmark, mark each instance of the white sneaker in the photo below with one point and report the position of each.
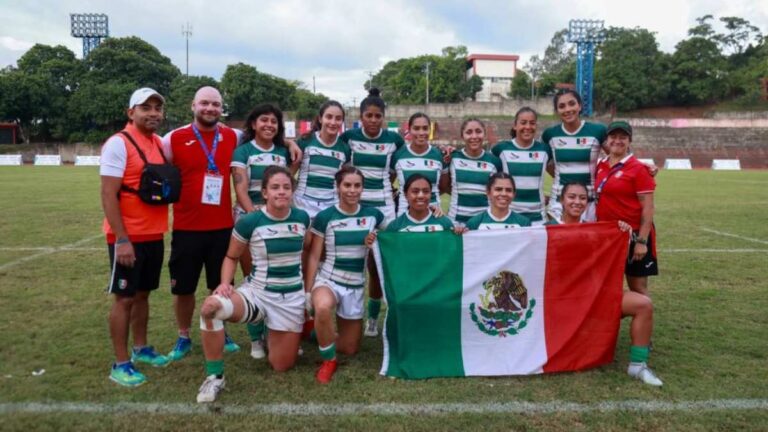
(371, 328)
(257, 349)
(642, 372)
(210, 389)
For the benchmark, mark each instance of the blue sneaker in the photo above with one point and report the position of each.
(182, 348)
(149, 356)
(229, 345)
(126, 375)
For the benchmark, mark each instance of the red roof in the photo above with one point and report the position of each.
(501, 57)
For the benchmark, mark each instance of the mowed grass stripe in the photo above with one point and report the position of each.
(395, 409)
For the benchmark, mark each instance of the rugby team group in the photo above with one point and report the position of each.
(307, 212)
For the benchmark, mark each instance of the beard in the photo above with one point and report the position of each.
(206, 122)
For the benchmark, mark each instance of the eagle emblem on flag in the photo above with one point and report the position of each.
(504, 308)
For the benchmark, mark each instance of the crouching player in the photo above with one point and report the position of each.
(273, 291)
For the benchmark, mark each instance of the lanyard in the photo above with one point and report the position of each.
(210, 155)
(613, 171)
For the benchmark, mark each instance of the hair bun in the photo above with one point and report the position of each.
(374, 92)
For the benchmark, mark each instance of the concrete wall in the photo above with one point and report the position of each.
(506, 108)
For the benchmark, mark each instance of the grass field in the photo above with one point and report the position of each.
(710, 338)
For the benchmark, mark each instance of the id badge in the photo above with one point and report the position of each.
(212, 185)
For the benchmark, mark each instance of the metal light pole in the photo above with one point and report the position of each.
(585, 34)
(186, 31)
(89, 27)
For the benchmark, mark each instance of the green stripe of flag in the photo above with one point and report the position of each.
(423, 325)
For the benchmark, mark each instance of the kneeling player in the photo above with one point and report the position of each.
(339, 284)
(272, 292)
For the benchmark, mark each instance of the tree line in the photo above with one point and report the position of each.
(53, 96)
(631, 72)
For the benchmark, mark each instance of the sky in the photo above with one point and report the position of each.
(339, 42)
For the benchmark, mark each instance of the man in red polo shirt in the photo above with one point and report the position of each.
(202, 218)
(134, 231)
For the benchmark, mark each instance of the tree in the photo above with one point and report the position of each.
(698, 72)
(305, 104)
(244, 87)
(558, 64)
(521, 85)
(739, 34)
(630, 71)
(404, 81)
(113, 71)
(36, 93)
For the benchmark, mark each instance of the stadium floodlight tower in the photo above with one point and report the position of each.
(91, 28)
(585, 34)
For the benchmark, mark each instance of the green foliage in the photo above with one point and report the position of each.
(630, 71)
(698, 72)
(404, 81)
(244, 87)
(521, 85)
(557, 66)
(305, 104)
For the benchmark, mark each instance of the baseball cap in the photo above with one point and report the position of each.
(141, 95)
(620, 125)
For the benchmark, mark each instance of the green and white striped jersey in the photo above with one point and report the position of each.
(575, 154)
(275, 246)
(255, 160)
(372, 156)
(405, 223)
(527, 167)
(318, 167)
(406, 163)
(469, 176)
(345, 249)
(486, 221)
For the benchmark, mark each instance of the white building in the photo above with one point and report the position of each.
(496, 70)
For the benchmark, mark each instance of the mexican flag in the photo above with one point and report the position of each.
(505, 302)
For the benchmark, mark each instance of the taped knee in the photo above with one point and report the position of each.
(221, 315)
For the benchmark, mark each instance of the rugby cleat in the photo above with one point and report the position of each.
(642, 372)
(210, 389)
(325, 372)
(126, 375)
(371, 328)
(258, 350)
(181, 349)
(229, 345)
(149, 356)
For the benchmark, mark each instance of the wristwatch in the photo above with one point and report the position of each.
(642, 241)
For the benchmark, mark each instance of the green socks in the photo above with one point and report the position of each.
(374, 307)
(214, 367)
(638, 354)
(256, 331)
(328, 352)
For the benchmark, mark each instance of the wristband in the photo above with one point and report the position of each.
(122, 240)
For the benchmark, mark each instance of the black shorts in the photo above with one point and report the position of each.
(649, 265)
(145, 273)
(190, 251)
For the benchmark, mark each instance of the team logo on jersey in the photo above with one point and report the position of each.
(409, 164)
(430, 228)
(582, 141)
(512, 155)
(190, 142)
(504, 308)
(362, 222)
(533, 155)
(482, 165)
(294, 228)
(429, 163)
(379, 147)
(463, 164)
(271, 232)
(619, 174)
(561, 142)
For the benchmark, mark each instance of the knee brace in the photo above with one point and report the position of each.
(224, 313)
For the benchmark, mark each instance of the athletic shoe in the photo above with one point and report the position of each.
(300, 352)
(642, 372)
(210, 389)
(182, 348)
(257, 349)
(126, 375)
(149, 356)
(229, 345)
(325, 372)
(371, 328)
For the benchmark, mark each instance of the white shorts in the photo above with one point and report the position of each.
(555, 211)
(282, 311)
(349, 301)
(311, 206)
